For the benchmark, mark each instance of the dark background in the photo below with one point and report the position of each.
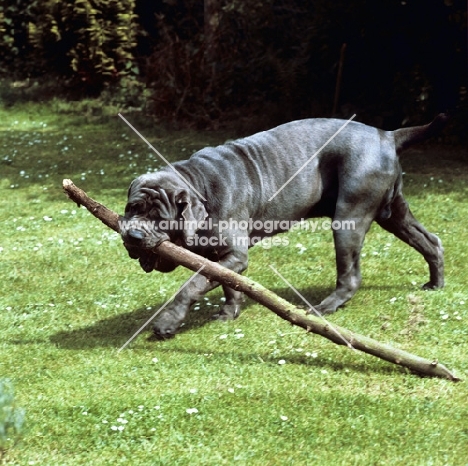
(262, 62)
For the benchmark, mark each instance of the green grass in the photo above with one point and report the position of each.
(70, 298)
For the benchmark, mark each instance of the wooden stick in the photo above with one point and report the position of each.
(267, 298)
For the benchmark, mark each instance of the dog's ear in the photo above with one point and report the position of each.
(193, 212)
(130, 188)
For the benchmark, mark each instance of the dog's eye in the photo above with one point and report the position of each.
(154, 213)
(135, 208)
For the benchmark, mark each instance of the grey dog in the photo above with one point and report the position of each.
(285, 174)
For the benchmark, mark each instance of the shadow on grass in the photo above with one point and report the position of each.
(356, 362)
(116, 330)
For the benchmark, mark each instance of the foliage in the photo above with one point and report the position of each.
(89, 41)
(14, 43)
(175, 73)
(96, 37)
(281, 58)
(208, 61)
(217, 394)
(11, 418)
(251, 58)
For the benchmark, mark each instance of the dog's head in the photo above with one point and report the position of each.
(154, 214)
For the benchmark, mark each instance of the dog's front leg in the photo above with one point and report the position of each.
(173, 316)
(232, 306)
(170, 320)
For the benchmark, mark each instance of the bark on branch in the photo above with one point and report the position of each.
(267, 298)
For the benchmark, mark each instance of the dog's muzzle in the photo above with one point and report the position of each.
(139, 245)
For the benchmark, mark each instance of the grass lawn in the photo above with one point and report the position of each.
(255, 391)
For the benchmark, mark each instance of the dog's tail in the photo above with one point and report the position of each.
(406, 137)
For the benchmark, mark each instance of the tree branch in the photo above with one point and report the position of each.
(267, 298)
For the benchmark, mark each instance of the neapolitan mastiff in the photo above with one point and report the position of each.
(356, 176)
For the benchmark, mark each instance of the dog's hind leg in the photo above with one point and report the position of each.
(405, 227)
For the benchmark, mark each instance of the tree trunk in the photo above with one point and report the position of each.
(211, 23)
(267, 298)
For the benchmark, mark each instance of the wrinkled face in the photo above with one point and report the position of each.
(141, 232)
(153, 215)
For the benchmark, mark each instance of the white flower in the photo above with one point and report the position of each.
(193, 390)
(114, 427)
(230, 390)
(301, 248)
(191, 410)
(223, 337)
(154, 360)
(239, 335)
(46, 218)
(284, 418)
(281, 362)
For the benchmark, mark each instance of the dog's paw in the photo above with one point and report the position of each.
(155, 336)
(321, 310)
(163, 332)
(432, 286)
(166, 326)
(228, 312)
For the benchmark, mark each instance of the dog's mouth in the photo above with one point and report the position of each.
(149, 260)
(152, 261)
(139, 243)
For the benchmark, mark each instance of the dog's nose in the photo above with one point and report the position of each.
(136, 234)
